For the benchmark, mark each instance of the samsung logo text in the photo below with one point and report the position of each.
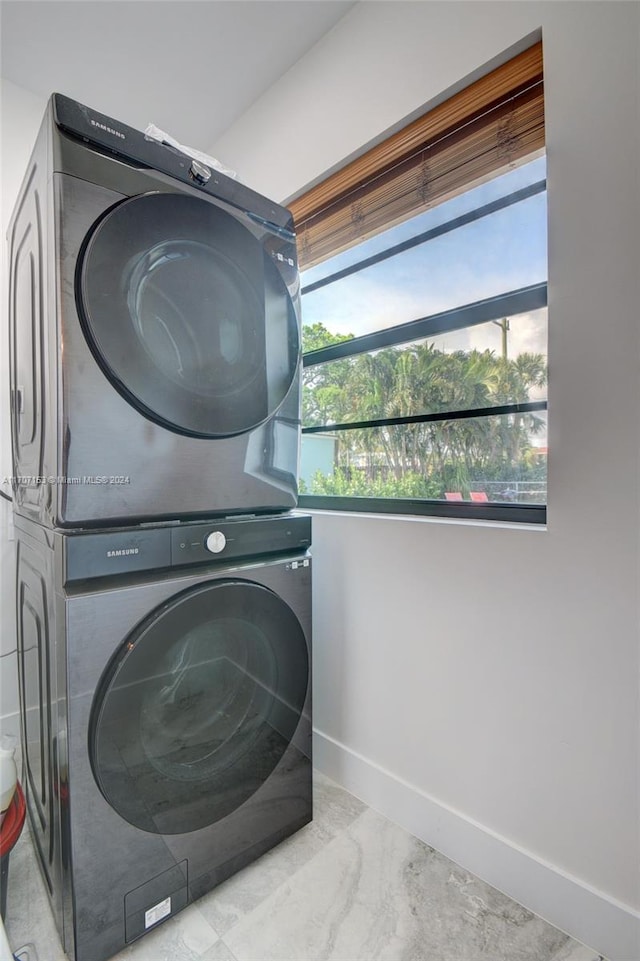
(124, 552)
(103, 126)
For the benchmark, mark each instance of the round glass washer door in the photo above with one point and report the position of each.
(187, 315)
(198, 706)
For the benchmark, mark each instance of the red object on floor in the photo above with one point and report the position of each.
(10, 831)
(11, 827)
(478, 496)
(453, 495)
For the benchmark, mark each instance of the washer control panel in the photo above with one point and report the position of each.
(114, 552)
(216, 542)
(229, 538)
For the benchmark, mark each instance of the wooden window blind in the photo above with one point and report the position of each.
(484, 129)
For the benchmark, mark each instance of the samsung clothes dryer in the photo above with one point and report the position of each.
(154, 333)
(166, 708)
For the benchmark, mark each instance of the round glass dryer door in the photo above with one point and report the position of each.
(198, 706)
(187, 315)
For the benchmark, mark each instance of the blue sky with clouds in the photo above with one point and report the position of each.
(494, 254)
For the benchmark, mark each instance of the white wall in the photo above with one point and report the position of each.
(487, 674)
(21, 114)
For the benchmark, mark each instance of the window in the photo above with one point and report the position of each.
(423, 270)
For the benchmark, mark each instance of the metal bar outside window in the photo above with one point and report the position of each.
(470, 315)
(486, 210)
(432, 418)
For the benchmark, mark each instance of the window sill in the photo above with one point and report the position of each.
(510, 516)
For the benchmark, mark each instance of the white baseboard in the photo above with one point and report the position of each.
(609, 927)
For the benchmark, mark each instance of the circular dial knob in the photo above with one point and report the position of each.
(216, 542)
(199, 172)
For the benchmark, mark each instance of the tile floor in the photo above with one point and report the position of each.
(351, 886)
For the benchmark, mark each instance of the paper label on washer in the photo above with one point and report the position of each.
(157, 913)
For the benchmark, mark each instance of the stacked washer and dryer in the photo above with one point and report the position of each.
(163, 582)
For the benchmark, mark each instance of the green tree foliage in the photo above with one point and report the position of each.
(316, 336)
(422, 460)
(323, 390)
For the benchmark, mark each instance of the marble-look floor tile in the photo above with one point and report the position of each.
(185, 937)
(30, 922)
(349, 887)
(334, 810)
(29, 919)
(219, 952)
(375, 893)
(574, 951)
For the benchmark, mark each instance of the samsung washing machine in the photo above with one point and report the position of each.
(154, 333)
(165, 690)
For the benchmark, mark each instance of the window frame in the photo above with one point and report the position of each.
(328, 204)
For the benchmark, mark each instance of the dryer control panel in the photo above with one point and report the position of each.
(128, 550)
(111, 136)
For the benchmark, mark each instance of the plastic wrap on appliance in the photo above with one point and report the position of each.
(155, 133)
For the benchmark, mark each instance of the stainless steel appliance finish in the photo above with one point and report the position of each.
(171, 738)
(154, 334)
